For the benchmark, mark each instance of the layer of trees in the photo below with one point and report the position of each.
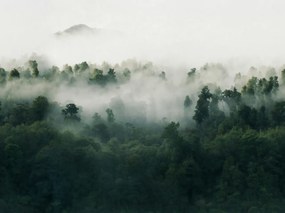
(231, 160)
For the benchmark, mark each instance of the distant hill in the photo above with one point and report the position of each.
(79, 29)
(83, 30)
(85, 43)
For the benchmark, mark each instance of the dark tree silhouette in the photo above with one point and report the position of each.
(71, 112)
(202, 107)
(110, 115)
(40, 107)
(14, 74)
(187, 102)
(34, 68)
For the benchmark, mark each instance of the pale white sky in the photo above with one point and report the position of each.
(186, 29)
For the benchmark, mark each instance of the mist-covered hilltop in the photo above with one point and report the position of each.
(77, 29)
(138, 137)
(85, 30)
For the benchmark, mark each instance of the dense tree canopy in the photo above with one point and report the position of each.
(227, 154)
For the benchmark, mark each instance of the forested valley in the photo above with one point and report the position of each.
(128, 138)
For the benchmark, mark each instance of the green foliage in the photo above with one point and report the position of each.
(283, 76)
(187, 102)
(171, 131)
(232, 98)
(262, 86)
(67, 69)
(248, 116)
(79, 68)
(110, 115)
(111, 76)
(20, 114)
(34, 68)
(202, 107)
(278, 112)
(99, 78)
(70, 112)
(230, 162)
(3, 75)
(40, 107)
(14, 74)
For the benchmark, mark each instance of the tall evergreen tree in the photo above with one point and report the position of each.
(202, 107)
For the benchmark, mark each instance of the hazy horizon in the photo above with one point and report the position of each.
(171, 32)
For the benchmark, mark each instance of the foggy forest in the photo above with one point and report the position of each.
(153, 106)
(129, 138)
